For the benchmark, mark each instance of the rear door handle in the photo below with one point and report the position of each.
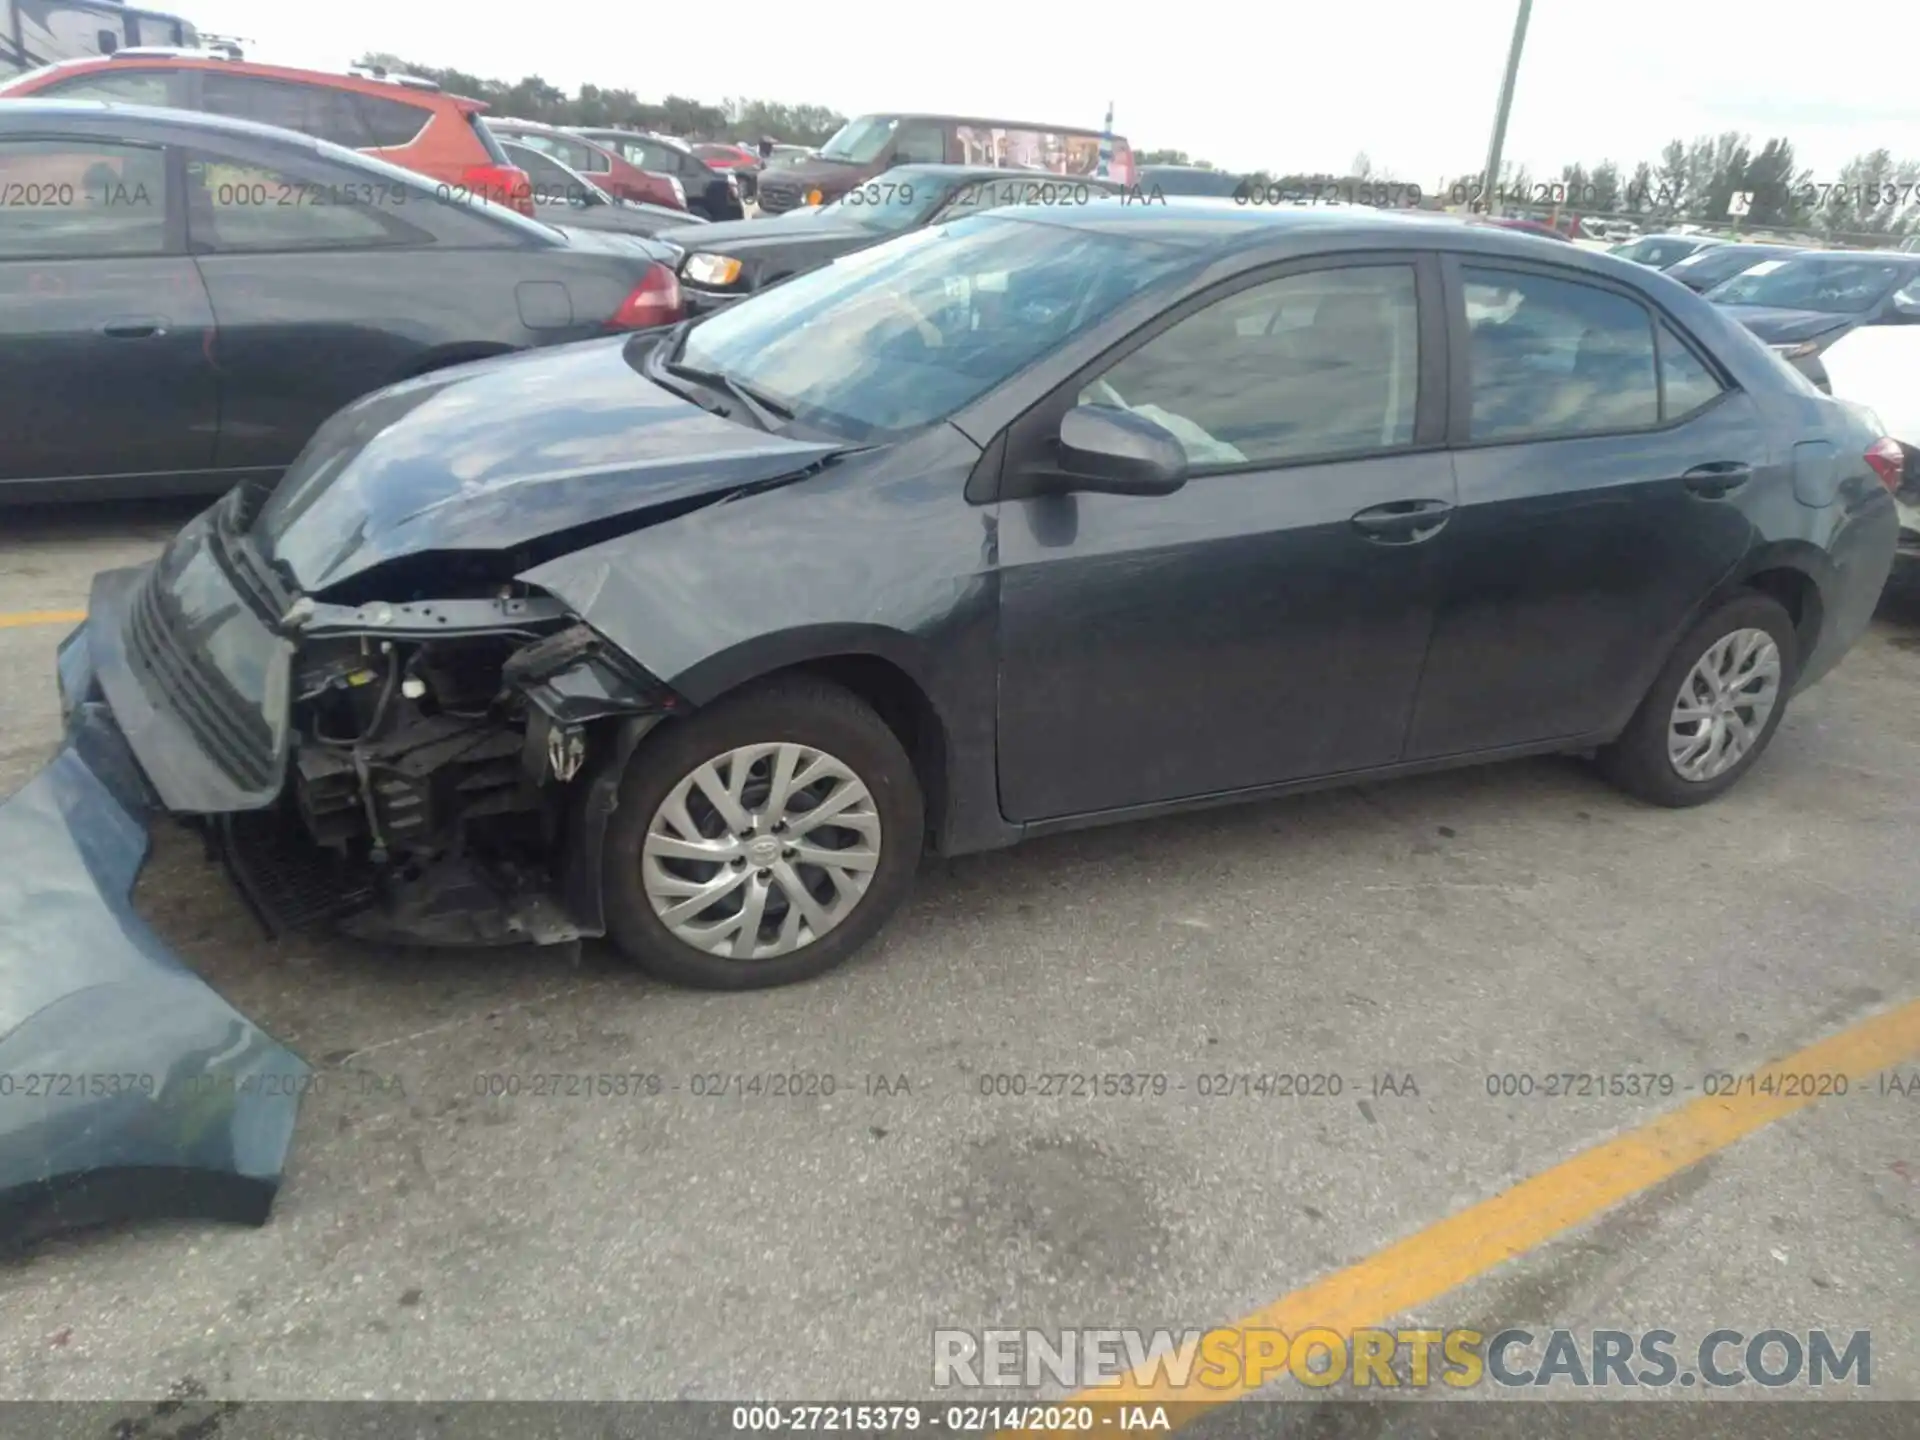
(1718, 479)
(136, 327)
(1403, 522)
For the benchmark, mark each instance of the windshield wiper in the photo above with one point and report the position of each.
(766, 411)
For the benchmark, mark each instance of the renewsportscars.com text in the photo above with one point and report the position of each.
(1200, 1362)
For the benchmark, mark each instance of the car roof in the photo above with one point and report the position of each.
(1043, 127)
(592, 132)
(1224, 228)
(1885, 257)
(165, 57)
(993, 172)
(91, 117)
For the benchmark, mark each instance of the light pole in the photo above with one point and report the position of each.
(1491, 183)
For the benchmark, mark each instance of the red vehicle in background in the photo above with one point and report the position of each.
(737, 160)
(401, 119)
(611, 171)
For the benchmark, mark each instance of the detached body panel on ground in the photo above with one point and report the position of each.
(132, 1090)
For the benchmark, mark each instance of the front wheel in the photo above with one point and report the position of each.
(1713, 709)
(762, 841)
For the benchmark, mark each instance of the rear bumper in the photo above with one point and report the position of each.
(128, 1087)
(1862, 553)
(1909, 546)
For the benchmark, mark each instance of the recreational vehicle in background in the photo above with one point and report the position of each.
(38, 32)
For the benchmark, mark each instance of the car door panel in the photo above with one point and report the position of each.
(1247, 629)
(1238, 633)
(320, 301)
(105, 370)
(1573, 562)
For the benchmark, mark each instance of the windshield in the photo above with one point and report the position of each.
(859, 141)
(1828, 284)
(903, 334)
(886, 205)
(1658, 251)
(1708, 268)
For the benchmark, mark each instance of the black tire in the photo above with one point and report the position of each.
(799, 709)
(1637, 762)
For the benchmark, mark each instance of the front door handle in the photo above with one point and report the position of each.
(136, 327)
(1403, 522)
(1718, 479)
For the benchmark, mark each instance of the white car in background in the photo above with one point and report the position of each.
(1878, 366)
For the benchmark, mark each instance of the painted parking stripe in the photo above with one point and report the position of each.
(19, 619)
(1470, 1243)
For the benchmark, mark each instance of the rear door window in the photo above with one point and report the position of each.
(81, 199)
(1686, 384)
(132, 87)
(318, 110)
(390, 124)
(920, 142)
(587, 159)
(241, 206)
(1551, 357)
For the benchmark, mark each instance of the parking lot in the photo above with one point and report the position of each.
(716, 1240)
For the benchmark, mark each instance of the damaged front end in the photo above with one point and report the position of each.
(348, 686)
(439, 782)
(432, 773)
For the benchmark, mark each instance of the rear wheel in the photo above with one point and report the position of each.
(764, 840)
(1713, 709)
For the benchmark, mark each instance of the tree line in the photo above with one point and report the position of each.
(533, 98)
(1874, 197)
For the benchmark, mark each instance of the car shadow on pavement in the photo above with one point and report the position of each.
(1900, 605)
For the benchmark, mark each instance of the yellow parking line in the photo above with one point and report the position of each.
(1468, 1244)
(16, 619)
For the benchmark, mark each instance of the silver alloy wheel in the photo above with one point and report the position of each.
(761, 851)
(1723, 705)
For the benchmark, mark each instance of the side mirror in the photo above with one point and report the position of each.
(1108, 451)
(1906, 306)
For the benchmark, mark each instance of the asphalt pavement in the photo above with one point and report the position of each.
(815, 1179)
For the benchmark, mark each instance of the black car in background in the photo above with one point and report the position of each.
(1802, 304)
(1657, 252)
(711, 194)
(563, 196)
(1715, 265)
(1172, 180)
(723, 263)
(185, 297)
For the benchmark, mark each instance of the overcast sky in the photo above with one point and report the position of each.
(1245, 85)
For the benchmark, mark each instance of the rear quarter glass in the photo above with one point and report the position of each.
(489, 142)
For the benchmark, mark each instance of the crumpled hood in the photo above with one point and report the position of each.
(1781, 327)
(498, 454)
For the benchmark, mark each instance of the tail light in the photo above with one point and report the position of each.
(1888, 460)
(502, 184)
(654, 301)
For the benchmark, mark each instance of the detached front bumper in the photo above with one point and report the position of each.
(128, 1087)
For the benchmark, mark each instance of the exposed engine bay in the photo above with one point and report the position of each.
(437, 773)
